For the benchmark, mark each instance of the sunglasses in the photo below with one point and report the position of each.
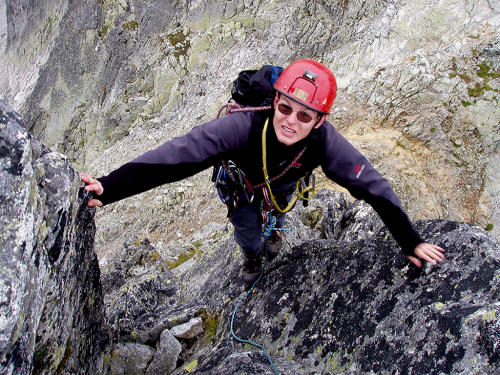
(301, 116)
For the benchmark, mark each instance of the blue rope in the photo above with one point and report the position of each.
(247, 341)
(270, 225)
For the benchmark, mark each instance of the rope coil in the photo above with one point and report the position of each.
(232, 107)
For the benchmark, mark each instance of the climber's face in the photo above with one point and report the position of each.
(293, 121)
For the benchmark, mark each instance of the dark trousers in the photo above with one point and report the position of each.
(248, 226)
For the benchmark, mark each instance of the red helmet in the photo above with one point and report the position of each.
(310, 83)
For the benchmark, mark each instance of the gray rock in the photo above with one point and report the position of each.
(167, 353)
(228, 358)
(333, 216)
(130, 359)
(188, 330)
(51, 305)
(142, 296)
(359, 306)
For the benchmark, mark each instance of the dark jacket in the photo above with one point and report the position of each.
(237, 137)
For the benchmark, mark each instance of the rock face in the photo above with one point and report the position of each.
(146, 314)
(339, 299)
(330, 306)
(51, 304)
(103, 81)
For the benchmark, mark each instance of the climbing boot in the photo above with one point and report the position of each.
(274, 244)
(252, 268)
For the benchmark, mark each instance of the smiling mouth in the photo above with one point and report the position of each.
(288, 130)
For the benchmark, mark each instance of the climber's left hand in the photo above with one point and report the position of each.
(428, 252)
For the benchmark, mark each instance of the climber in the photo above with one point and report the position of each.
(298, 139)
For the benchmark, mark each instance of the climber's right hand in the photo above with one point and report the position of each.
(92, 185)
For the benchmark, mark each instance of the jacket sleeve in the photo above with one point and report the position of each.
(346, 166)
(177, 159)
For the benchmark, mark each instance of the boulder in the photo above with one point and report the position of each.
(167, 353)
(188, 330)
(130, 359)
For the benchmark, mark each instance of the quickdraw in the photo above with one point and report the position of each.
(231, 184)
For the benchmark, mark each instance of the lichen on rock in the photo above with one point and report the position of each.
(52, 310)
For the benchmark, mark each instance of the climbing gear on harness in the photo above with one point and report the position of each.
(231, 184)
(309, 83)
(269, 220)
(253, 88)
(219, 177)
(302, 188)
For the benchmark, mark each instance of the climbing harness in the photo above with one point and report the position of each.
(270, 222)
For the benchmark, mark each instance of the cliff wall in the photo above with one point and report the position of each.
(51, 304)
